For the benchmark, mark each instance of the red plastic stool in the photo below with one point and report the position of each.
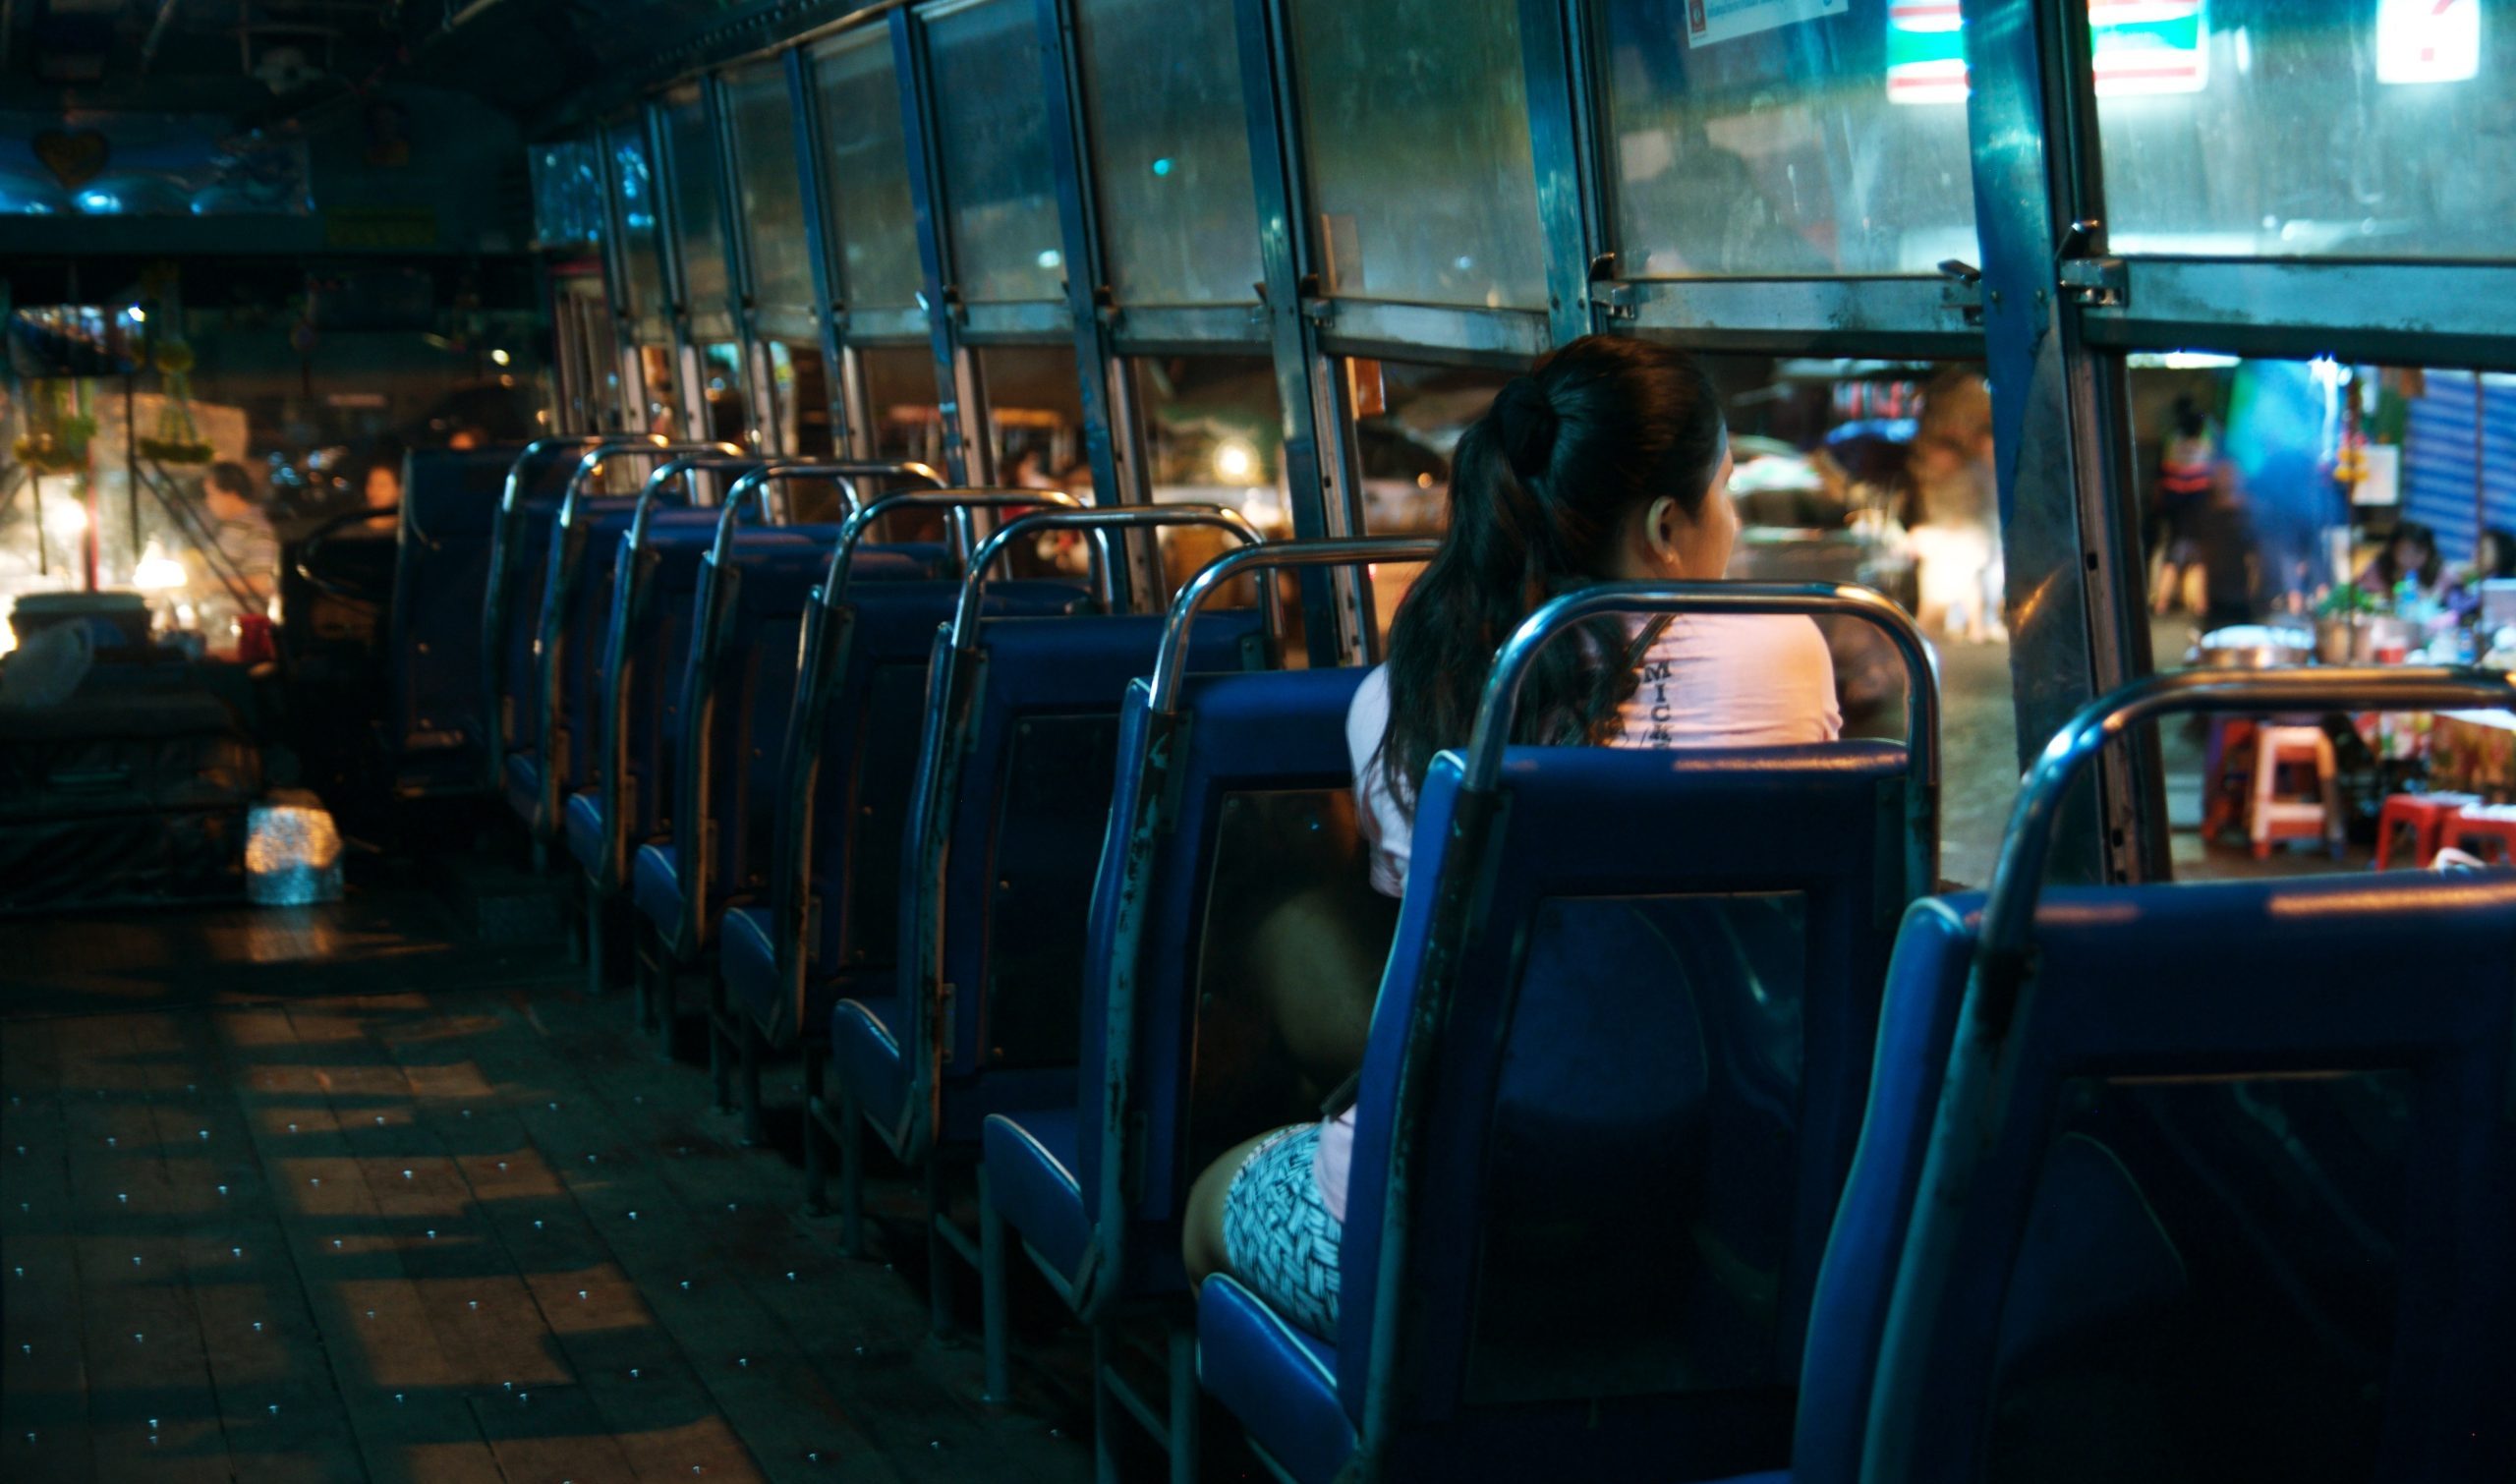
(2426, 816)
(2486, 824)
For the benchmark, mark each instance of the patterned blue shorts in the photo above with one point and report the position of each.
(1278, 1236)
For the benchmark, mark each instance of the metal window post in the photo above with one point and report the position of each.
(2060, 441)
(629, 410)
(1557, 51)
(664, 172)
(820, 248)
(1113, 438)
(741, 302)
(1322, 479)
(960, 406)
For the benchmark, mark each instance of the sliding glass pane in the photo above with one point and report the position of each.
(772, 201)
(1178, 214)
(1416, 118)
(992, 123)
(2307, 127)
(865, 169)
(1774, 145)
(698, 193)
(640, 232)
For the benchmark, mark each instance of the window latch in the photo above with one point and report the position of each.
(2088, 275)
(1960, 289)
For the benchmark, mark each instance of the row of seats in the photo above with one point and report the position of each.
(1696, 1136)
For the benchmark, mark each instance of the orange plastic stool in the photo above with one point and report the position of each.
(2309, 812)
(2486, 824)
(2425, 815)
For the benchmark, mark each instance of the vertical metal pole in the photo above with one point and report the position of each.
(955, 385)
(2060, 431)
(1090, 299)
(672, 238)
(131, 455)
(821, 237)
(742, 300)
(630, 407)
(1318, 467)
(1556, 51)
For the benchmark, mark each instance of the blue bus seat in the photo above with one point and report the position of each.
(435, 737)
(1652, 1066)
(859, 809)
(1020, 787)
(2244, 1205)
(1255, 797)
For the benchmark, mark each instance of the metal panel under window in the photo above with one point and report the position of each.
(1834, 143)
(697, 192)
(772, 204)
(865, 163)
(1415, 114)
(992, 122)
(1178, 213)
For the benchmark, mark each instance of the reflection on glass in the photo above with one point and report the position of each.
(657, 368)
(698, 191)
(1416, 117)
(1035, 418)
(1178, 214)
(1407, 418)
(1214, 434)
(567, 193)
(2220, 1260)
(781, 267)
(899, 399)
(2307, 127)
(642, 230)
(1778, 151)
(2352, 513)
(991, 117)
(865, 170)
(801, 397)
(720, 388)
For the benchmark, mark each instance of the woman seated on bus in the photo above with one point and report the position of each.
(1608, 461)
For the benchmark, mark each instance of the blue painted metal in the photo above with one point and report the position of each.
(829, 307)
(955, 385)
(1555, 47)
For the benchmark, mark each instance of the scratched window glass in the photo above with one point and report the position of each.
(1788, 137)
(773, 202)
(992, 128)
(2308, 128)
(1416, 117)
(633, 181)
(865, 171)
(1179, 215)
(699, 223)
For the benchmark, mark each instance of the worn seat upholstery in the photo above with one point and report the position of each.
(1654, 1049)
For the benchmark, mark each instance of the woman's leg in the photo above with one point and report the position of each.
(1201, 1229)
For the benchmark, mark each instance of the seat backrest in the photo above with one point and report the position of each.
(437, 735)
(1228, 838)
(646, 653)
(870, 721)
(1637, 1078)
(579, 568)
(1010, 801)
(2244, 1201)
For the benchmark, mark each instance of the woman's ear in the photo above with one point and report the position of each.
(1662, 525)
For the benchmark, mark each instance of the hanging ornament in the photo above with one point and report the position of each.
(178, 438)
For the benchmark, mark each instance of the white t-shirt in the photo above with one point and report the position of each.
(1709, 680)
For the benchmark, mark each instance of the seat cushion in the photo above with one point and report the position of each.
(1279, 1380)
(1030, 1177)
(524, 784)
(588, 841)
(864, 1055)
(656, 886)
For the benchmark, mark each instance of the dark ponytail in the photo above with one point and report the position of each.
(1541, 487)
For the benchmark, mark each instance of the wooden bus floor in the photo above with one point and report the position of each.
(328, 1193)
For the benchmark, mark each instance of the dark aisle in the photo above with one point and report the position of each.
(418, 1208)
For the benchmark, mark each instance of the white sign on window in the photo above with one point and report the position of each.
(1710, 21)
(2428, 40)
